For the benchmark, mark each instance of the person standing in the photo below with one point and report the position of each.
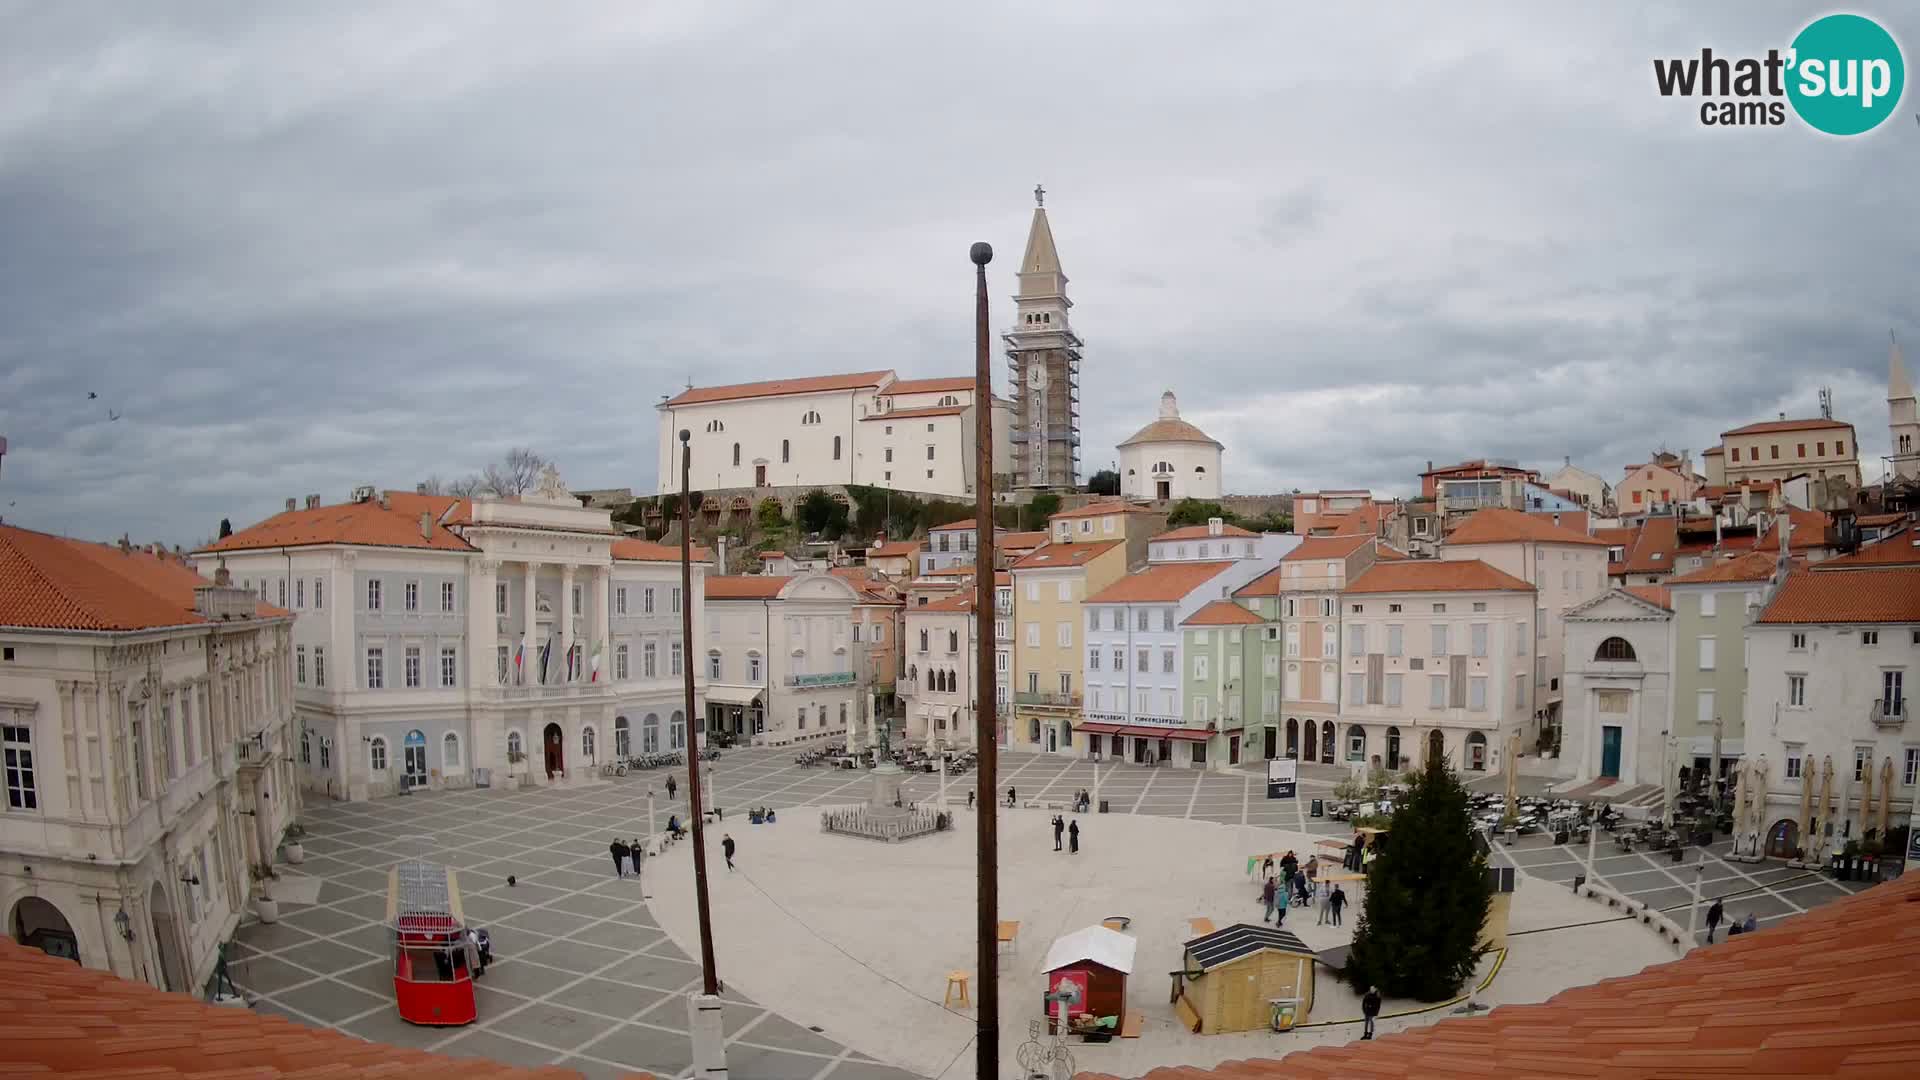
(1336, 903)
(1266, 898)
(1288, 864)
(1282, 896)
(1313, 874)
(1714, 915)
(1266, 867)
(1370, 1008)
(1073, 838)
(1009, 796)
(673, 788)
(620, 852)
(726, 848)
(1059, 828)
(969, 798)
(637, 854)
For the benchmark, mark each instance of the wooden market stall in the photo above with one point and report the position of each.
(1094, 961)
(1244, 978)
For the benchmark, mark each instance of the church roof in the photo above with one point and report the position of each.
(1041, 257)
(1169, 428)
(816, 384)
(1898, 388)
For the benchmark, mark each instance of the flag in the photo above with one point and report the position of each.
(596, 662)
(545, 652)
(572, 651)
(520, 660)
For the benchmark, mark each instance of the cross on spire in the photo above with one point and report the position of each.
(1039, 195)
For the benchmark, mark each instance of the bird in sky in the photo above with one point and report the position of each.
(112, 416)
(91, 395)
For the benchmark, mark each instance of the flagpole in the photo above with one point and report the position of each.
(986, 1064)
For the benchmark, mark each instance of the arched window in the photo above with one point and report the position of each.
(1066, 734)
(450, 751)
(622, 737)
(1477, 752)
(1356, 743)
(677, 730)
(1199, 468)
(1614, 648)
(736, 455)
(1293, 737)
(1033, 731)
(586, 744)
(786, 451)
(810, 417)
(650, 734)
(924, 634)
(516, 748)
(306, 747)
(953, 641)
(836, 448)
(377, 754)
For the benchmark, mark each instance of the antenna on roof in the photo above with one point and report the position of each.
(1826, 403)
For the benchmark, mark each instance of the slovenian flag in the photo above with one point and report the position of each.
(520, 661)
(596, 662)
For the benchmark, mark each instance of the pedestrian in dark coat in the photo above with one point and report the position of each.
(1337, 903)
(673, 788)
(1266, 897)
(726, 848)
(1009, 796)
(1370, 1008)
(1059, 827)
(1714, 915)
(1288, 864)
(620, 852)
(1073, 838)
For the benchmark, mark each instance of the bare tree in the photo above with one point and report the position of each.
(466, 487)
(516, 475)
(432, 485)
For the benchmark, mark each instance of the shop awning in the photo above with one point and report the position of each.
(734, 695)
(1101, 729)
(1189, 734)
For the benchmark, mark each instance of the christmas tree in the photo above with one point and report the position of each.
(1427, 896)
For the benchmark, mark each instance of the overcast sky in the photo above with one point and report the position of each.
(301, 247)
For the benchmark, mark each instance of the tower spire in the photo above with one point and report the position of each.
(1898, 388)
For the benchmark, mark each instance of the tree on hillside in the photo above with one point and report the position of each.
(1044, 505)
(821, 513)
(1196, 512)
(226, 528)
(1427, 896)
(769, 515)
(1104, 482)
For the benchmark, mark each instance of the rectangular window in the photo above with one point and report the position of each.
(300, 665)
(673, 659)
(1794, 758)
(1199, 711)
(299, 592)
(449, 666)
(1033, 634)
(1477, 693)
(1393, 639)
(1862, 755)
(412, 593)
(1869, 637)
(138, 744)
(1290, 607)
(1357, 640)
(1141, 663)
(1356, 687)
(1329, 642)
(1911, 771)
(1439, 609)
(1797, 691)
(1706, 654)
(1439, 639)
(1063, 591)
(376, 668)
(1117, 618)
(1093, 619)
(1200, 667)
(1093, 659)
(620, 600)
(1519, 691)
(1000, 663)
(1393, 688)
(282, 583)
(575, 597)
(500, 598)
(1066, 682)
(319, 665)
(1479, 638)
(502, 658)
(1326, 608)
(1270, 665)
(1166, 661)
(412, 659)
(1063, 635)
(622, 662)
(1797, 641)
(164, 733)
(1033, 591)
(1119, 660)
(753, 666)
(373, 594)
(673, 600)
(1520, 641)
(713, 666)
(1704, 709)
(446, 596)
(1166, 619)
(1436, 691)
(1293, 639)
(1141, 619)
(1707, 606)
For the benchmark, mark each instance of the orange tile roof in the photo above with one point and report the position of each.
(1002, 577)
(1170, 430)
(931, 386)
(909, 414)
(1020, 540)
(1267, 584)
(364, 524)
(1389, 553)
(1104, 506)
(746, 586)
(1880, 519)
(1712, 451)
(1202, 532)
(961, 601)
(817, 384)
(1786, 425)
(1618, 537)
(1653, 594)
(633, 550)
(950, 571)
(51, 582)
(1653, 549)
(1221, 613)
(1317, 548)
(963, 524)
(1054, 556)
(1752, 566)
(58, 1019)
(1827, 993)
(1890, 595)
(1361, 520)
(1435, 575)
(1896, 549)
(1159, 583)
(772, 555)
(893, 550)
(1809, 531)
(1498, 526)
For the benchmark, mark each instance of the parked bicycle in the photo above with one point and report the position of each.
(617, 767)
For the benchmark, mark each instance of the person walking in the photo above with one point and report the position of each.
(1266, 897)
(1288, 864)
(1009, 796)
(1313, 874)
(1266, 868)
(1073, 839)
(1714, 915)
(1059, 828)
(673, 788)
(726, 848)
(637, 853)
(620, 852)
(1304, 890)
(1282, 897)
(1370, 1008)
(969, 798)
(1336, 903)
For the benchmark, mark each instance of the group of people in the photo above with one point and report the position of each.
(1082, 801)
(1072, 831)
(1295, 883)
(1360, 852)
(1718, 914)
(626, 856)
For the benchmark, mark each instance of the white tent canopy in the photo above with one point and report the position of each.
(1108, 948)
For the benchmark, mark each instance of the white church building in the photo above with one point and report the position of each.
(1170, 459)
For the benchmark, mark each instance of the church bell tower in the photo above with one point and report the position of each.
(1903, 426)
(1043, 361)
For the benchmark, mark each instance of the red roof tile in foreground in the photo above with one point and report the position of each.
(1766, 426)
(1389, 553)
(648, 551)
(1871, 520)
(1327, 547)
(1753, 566)
(1055, 556)
(966, 524)
(1653, 594)
(58, 1019)
(1435, 575)
(1890, 595)
(1827, 993)
(1899, 549)
(361, 524)
(51, 582)
(1202, 532)
(957, 384)
(1158, 583)
(746, 586)
(817, 384)
(1497, 526)
(1221, 613)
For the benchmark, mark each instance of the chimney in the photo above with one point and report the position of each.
(221, 576)
(419, 489)
(1716, 530)
(1215, 526)
(125, 547)
(385, 503)
(313, 502)
(291, 503)
(426, 525)
(1783, 416)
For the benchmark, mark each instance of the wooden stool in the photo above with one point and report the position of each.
(957, 979)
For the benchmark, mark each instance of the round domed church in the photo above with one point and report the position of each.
(1170, 459)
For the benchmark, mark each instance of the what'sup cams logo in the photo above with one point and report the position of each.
(1843, 75)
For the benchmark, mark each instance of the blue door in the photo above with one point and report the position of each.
(1610, 752)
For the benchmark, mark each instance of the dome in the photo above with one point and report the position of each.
(1169, 428)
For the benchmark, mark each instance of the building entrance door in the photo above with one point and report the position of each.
(759, 476)
(1610, 752)
(1273, 736)
(556, 759)
(1163, 490)
(414, 760)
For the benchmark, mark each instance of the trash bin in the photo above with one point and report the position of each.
(1319, 808)
(1103, 806)
(482, 777)
(1579, 880)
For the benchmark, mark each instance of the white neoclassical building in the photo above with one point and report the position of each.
(1619, 685)
(869, 427)
(779, 658)
(1170, 459)
(145, 716)
(442, 642)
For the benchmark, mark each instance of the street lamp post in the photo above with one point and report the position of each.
(987, 839)
(703, 1009)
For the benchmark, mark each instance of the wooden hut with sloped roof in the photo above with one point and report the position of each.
(1239, 978)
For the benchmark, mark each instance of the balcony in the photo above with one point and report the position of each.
(829, 678)
(1887, 715)
(1047, 700)
(556, 692)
